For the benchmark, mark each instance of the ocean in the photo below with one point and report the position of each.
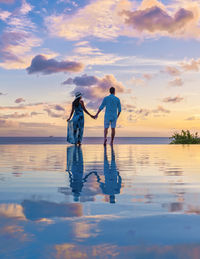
(125, 201)
(86, 140)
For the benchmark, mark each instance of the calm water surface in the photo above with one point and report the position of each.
(132, 201)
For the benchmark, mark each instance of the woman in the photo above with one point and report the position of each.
(78, 119)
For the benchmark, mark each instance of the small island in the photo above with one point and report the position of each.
(185, 137)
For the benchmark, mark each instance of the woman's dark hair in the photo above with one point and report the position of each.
(76, 102)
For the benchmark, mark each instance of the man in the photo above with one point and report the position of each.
(113, 110)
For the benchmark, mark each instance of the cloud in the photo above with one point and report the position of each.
(15, 49)
(192, 118)
(58, 107)
(23, 106)
(176, 82)
(84, 80)
(69, 81)
(172, 71)
(137, 81)
(35, 113)
(94, 88)
(2, 93)
(15, 115)
(147, 76)
(40, 64)
(99, 19)
(160, 109)
(25, 8)
(5, 124)
(155, 19)
(20, 100)
(18, 38)
(52, 113)
(4, 15)
(109, 19)
(89, 55)
(7, 1)
(128, 107)
(50, 110)
(142, 113)
(176, 99)
(192, 65)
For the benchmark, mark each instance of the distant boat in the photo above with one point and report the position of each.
(50, 136)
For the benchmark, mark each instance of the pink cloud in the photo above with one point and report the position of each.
(147, 76)
(58, 107)
(20, 100)
(175, 99)
(53, 114)
(192, 65)
(94, 88)
(155, 19)
(173, 71)
(18, 38)
(7, 1)
(40, 64)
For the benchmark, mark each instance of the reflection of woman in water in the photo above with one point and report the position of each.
(113, 180)
(75, 168)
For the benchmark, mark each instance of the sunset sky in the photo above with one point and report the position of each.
(148, 50)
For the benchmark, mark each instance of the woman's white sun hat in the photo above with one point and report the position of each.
(77, 95)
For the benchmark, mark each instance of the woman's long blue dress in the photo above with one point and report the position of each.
(78, 123)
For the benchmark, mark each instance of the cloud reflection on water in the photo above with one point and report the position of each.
(157, 204)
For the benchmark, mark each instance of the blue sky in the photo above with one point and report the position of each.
(148, 50)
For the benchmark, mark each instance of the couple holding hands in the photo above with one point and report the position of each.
(112, 112)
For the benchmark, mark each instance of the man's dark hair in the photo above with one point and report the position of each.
(112, 90)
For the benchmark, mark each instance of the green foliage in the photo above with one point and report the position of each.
(185, 137)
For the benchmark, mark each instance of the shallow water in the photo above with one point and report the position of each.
(132, 201)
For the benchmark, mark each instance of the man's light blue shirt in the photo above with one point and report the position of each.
(113, 106)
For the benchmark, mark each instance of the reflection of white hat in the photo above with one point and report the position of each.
(77, 95)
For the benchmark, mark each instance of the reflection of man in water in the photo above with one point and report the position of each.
(113, 180)
(75, 169)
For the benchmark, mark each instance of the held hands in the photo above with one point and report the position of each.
(94, 116)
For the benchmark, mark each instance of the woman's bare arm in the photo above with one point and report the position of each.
(72, 111)
(85, 110)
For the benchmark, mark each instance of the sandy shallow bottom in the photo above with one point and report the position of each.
(132, 201)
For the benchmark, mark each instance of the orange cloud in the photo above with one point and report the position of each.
(176, 82)
(192, 65)
(173, 71)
